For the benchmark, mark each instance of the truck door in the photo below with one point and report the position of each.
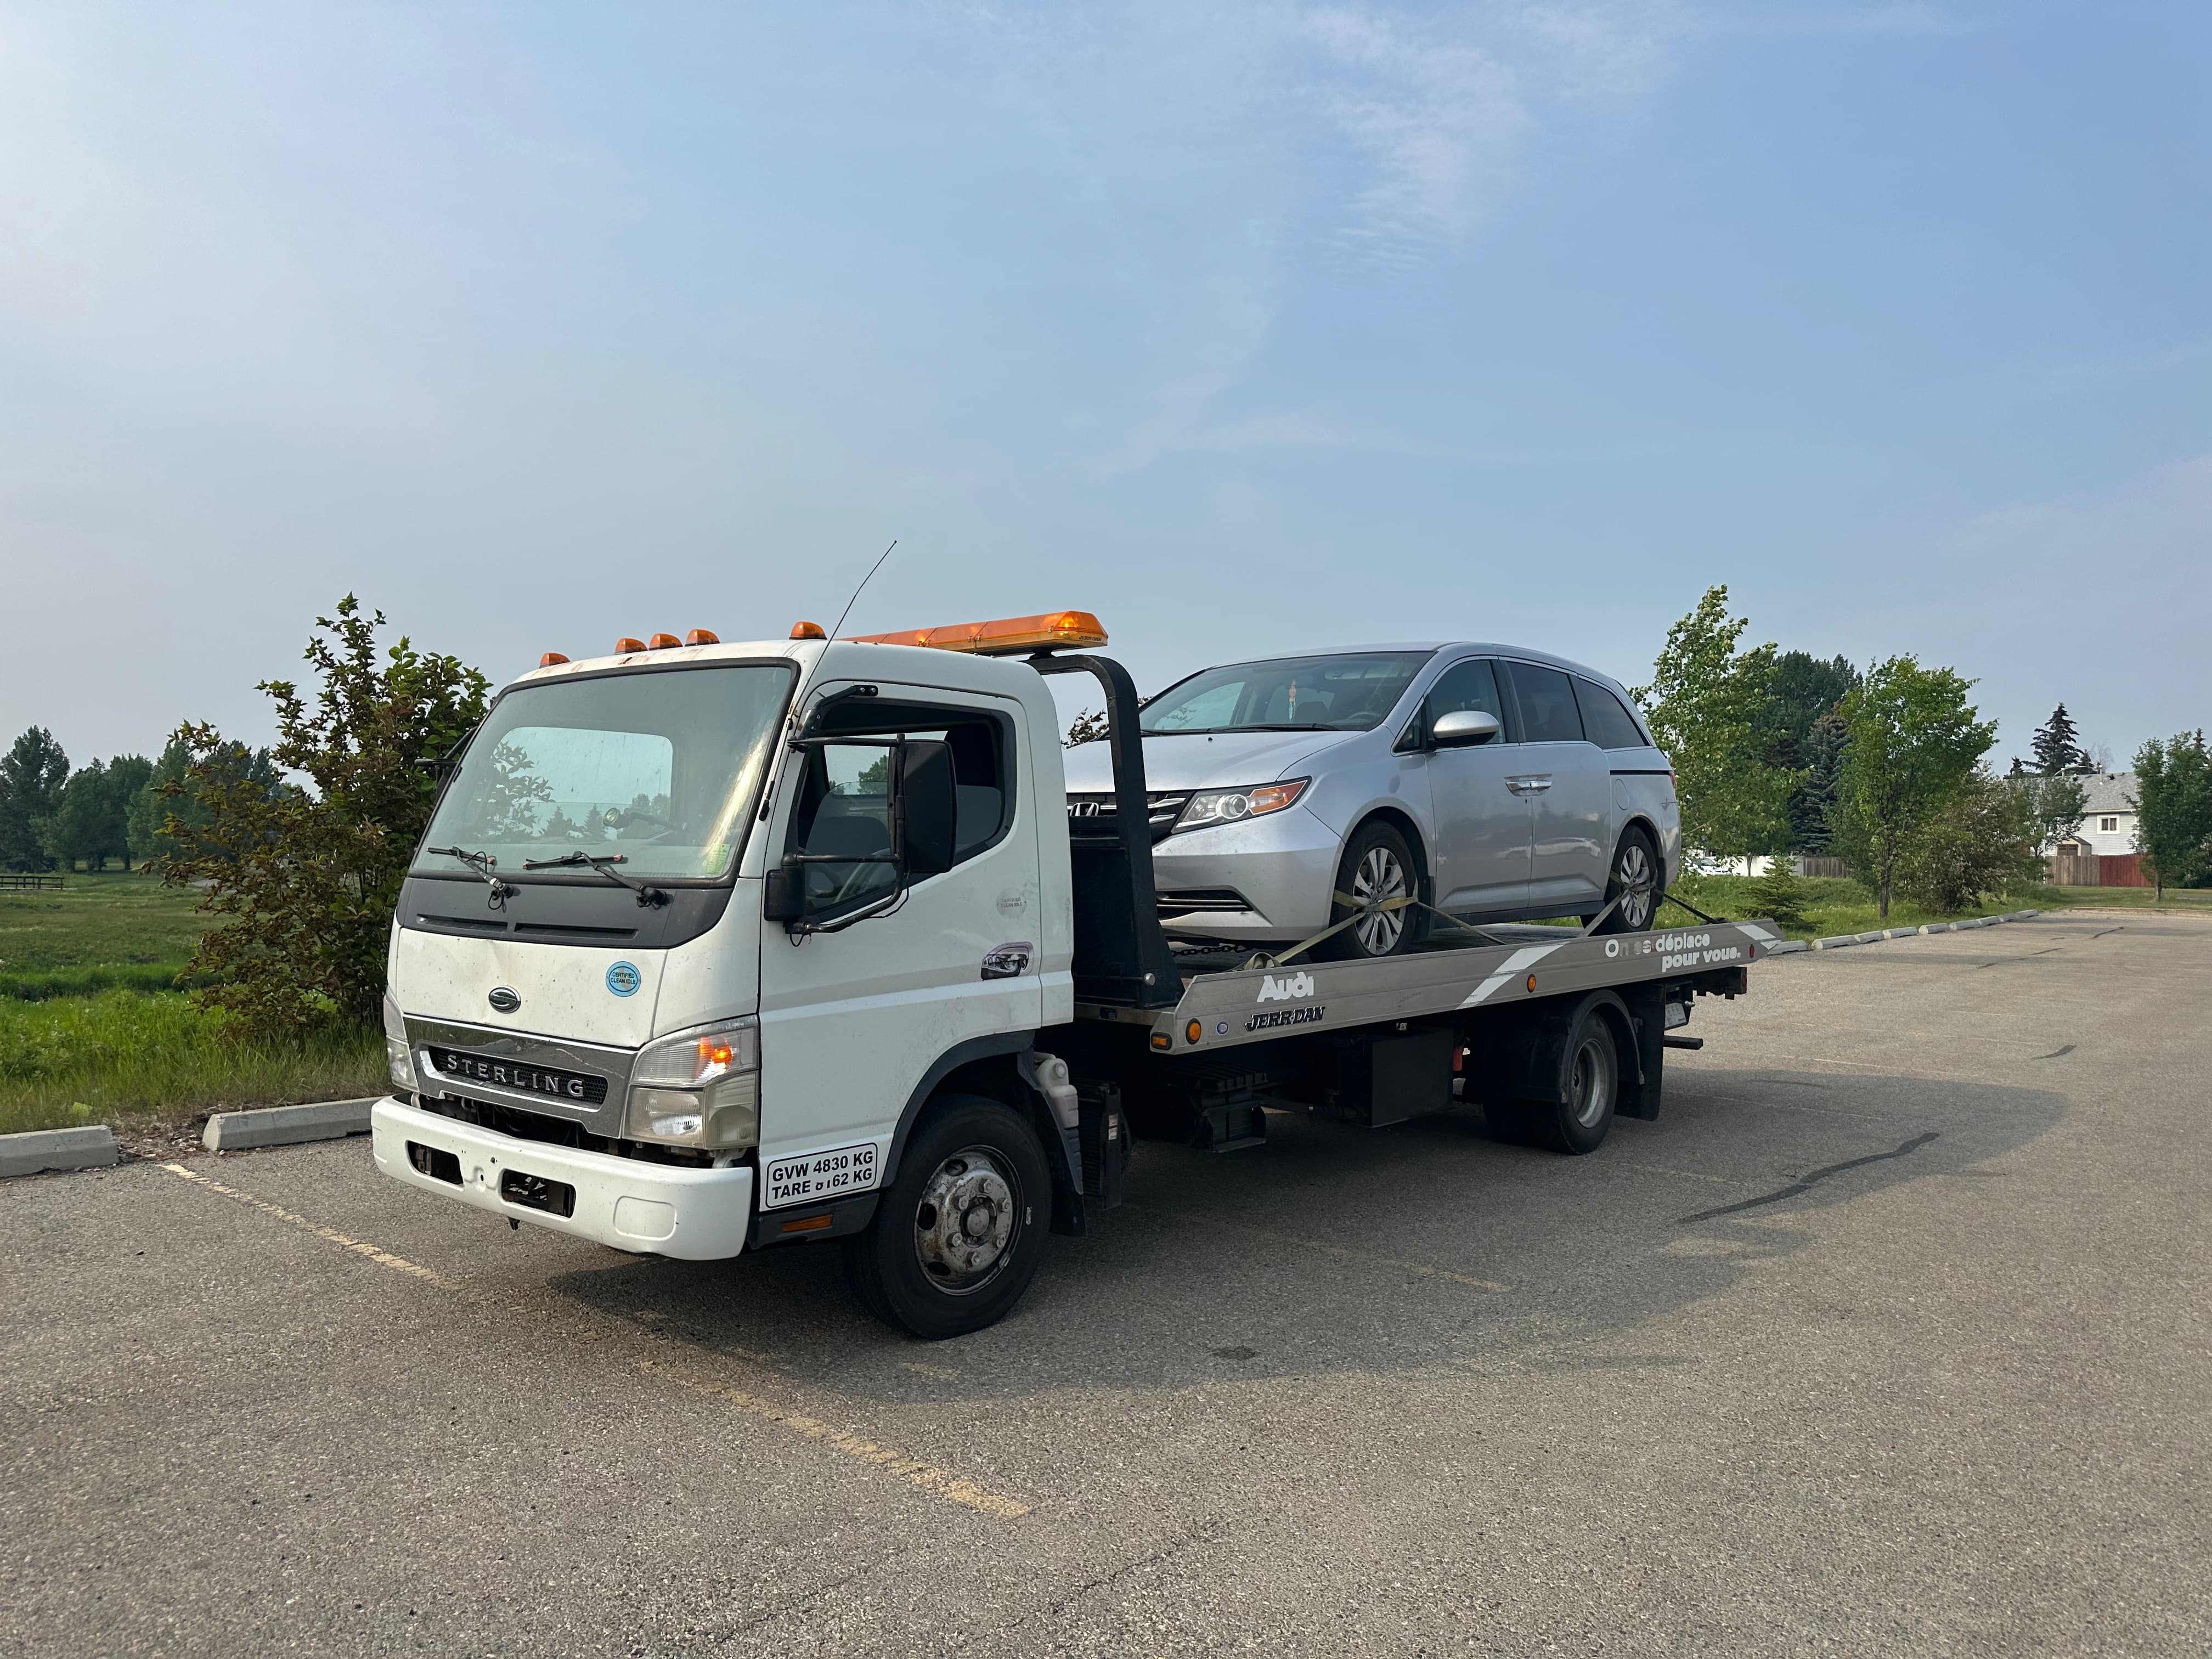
(851, 1020)
(1482, 820)
(1570, 786)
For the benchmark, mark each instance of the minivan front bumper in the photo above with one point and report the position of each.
(648, 1209)
(1283, 864)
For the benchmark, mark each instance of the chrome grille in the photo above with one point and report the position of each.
(1093, 812)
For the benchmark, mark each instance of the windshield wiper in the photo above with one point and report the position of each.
(483, 864)
(598, 863)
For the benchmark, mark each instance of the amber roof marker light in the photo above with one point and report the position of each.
(702, 636)
(808, 630)
(551, 660)
(664, 643)
(625, 645)
(1007, 636)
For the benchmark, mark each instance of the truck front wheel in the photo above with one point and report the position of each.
(962, 1226)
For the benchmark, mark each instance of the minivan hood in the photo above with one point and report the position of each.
(1204, 760)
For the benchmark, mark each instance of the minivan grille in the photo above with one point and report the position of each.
(1093, 812)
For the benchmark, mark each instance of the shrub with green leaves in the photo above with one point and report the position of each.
(1980, 843)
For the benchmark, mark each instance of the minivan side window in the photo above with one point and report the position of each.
(1470, 685)
(1609, 724)
(1546, 697)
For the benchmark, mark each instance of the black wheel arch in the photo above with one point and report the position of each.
(991, 1066)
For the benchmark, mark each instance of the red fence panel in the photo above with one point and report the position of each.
(2121, 870)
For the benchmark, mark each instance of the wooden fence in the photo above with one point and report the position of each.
(10, 882)
(2086, 869)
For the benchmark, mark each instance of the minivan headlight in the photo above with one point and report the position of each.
(698, 1088)
(1234, 806)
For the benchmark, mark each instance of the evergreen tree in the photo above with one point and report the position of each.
(78, 828)
(127, 776)
(1780, 894)
(1813, 804)
(2057, 746)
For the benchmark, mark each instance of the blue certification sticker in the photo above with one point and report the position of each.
(624, 979)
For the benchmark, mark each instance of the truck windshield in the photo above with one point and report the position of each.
(1287, 694)
(661, 768)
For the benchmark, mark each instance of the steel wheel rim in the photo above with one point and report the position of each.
(1379, 878)
(967, 1220)
(1633, 873)
(1592, 1086)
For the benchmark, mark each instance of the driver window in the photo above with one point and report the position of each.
(844, 814)
(1470, 685)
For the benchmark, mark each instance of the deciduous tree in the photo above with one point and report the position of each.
(304, 879)
(32, 775)
(1980, 842)
(1914, 741)
(1707, 704)
(2173, 809)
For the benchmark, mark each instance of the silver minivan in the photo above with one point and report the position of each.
(1368, 788)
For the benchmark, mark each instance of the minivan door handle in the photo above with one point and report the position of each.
(1532, 784)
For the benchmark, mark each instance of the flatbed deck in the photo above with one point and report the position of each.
(1224, 1005)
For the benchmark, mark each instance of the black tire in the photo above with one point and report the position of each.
(1635, 871)
(1376, 860)
(1579, 1123)
(935, 1271)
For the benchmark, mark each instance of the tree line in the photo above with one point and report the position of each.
(1887, 767)
(55, 817)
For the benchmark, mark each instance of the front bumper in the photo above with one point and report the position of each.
(650, 1209)
(1284, 864)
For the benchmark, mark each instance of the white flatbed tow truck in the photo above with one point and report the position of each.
(716, 948)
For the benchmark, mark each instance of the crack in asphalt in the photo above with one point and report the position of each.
(2056, 1053)
(1797, 1188)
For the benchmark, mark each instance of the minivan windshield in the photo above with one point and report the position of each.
(1287, 694)
(660, 767)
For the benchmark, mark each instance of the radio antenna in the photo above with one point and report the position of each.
(865, 580)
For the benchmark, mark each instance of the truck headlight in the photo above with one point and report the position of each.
(698, 1088)
(397, 1060)
(1234, 806)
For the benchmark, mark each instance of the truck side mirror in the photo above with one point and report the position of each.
(1463, 728)
(928, 808)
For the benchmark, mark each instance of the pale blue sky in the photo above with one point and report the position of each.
(1248, 326)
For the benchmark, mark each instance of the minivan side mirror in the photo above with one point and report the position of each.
(1463, 728)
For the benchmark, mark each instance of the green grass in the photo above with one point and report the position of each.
(99, 921)
(2133, 898)
(127, 1059)
(1833, 905)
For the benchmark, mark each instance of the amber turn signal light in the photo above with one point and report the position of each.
(808, 630)
(627, 644)
(701, 636)
(1192, 1032)
(551, 658)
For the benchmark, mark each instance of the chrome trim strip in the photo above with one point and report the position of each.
(560, 1054)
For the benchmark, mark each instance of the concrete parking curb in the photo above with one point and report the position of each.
(287, 1125)
(1842, 939)
(92, 1147)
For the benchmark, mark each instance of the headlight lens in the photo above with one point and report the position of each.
(698, 1088)
(397, 1060)
(1234, 806)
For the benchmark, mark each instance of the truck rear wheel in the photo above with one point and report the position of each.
(1590, 1078)
(962, 1227)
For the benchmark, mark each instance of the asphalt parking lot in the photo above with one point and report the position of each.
(1891, 1336)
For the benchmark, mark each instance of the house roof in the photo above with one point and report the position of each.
(2109, 792)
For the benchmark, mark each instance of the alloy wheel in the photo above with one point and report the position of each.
(1380, 878)
(1632, 874)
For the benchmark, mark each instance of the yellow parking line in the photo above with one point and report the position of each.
(382, 1258)
(952, 1488)
(946, 1484)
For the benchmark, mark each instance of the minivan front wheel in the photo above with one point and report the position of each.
(1635, 881)
(1378, 874)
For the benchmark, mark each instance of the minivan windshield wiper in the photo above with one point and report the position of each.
(598, 863)
(481, 865)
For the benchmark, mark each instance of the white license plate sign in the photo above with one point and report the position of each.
(819, 1174)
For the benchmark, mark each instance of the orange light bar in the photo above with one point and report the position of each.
(551, 659)
(1009, 635)
(702, 636)
(808, 630)
(627, 644)
(662, 643)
